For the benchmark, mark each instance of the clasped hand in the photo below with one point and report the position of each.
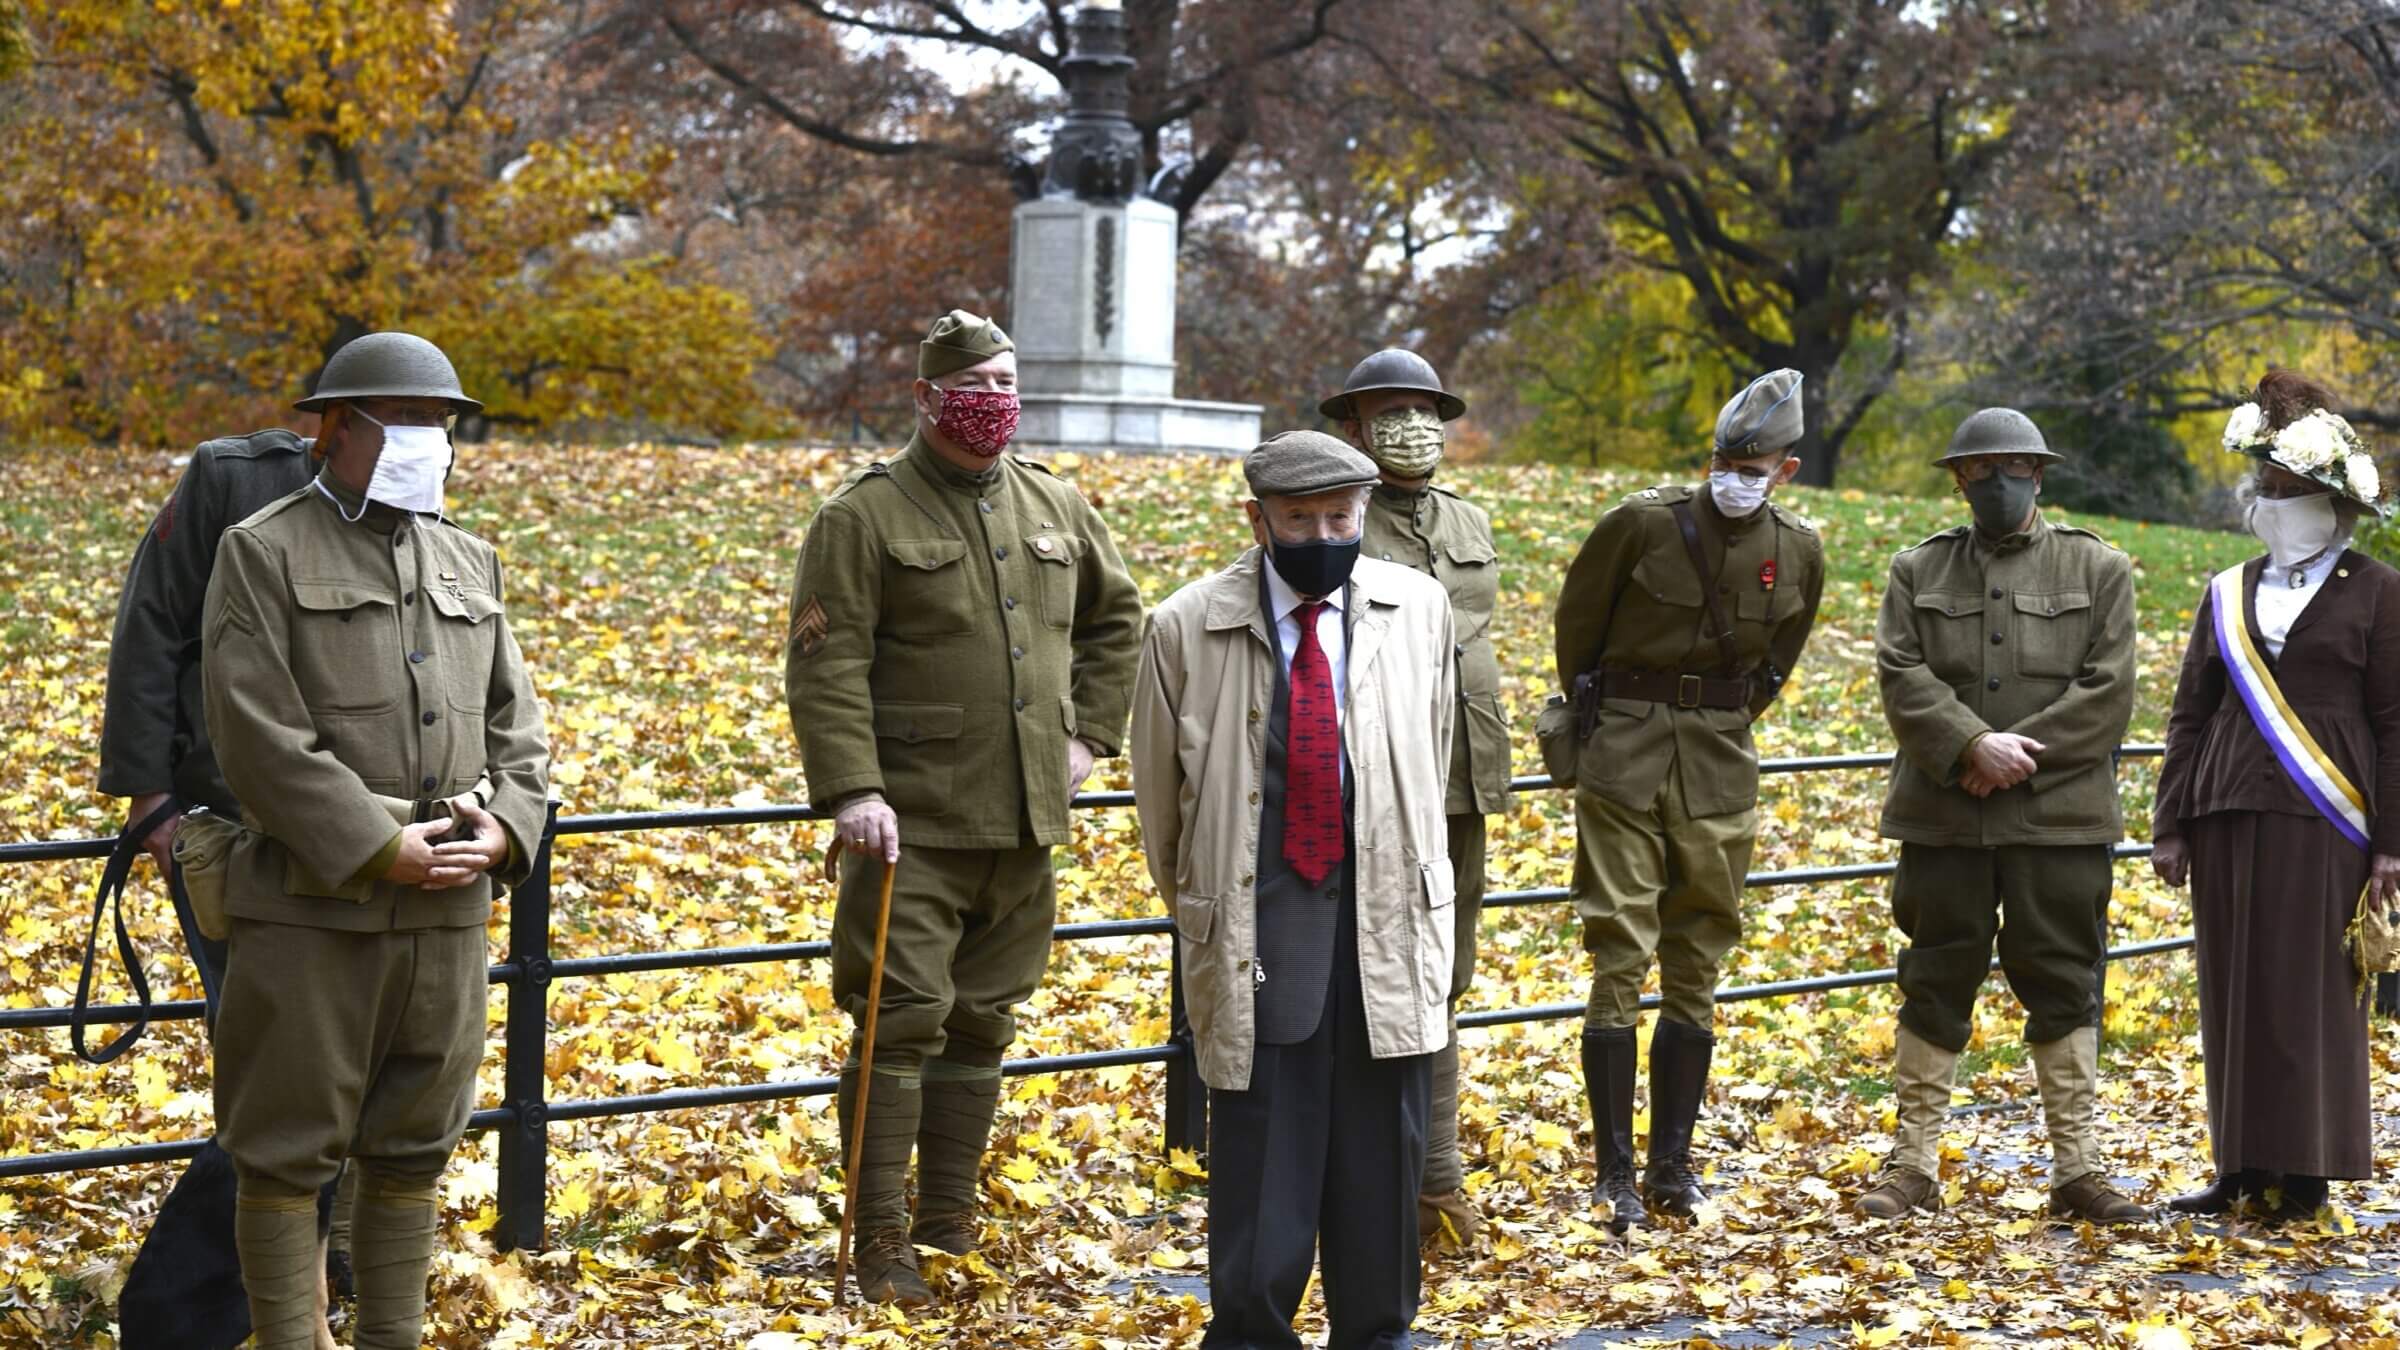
(433, 860)
(1997, 761)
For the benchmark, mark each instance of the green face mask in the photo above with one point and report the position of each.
(1406, 441)
(2000, 502)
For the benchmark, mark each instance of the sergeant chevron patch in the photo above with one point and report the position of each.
(809, 627)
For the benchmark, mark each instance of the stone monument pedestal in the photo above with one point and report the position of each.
(1092, 285)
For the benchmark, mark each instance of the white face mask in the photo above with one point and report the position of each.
(1738, 495)
(2294, 529)
(409, 472)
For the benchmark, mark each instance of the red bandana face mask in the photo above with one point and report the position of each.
(978, 421)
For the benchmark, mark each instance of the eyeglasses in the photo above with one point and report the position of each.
(1980, 467)
(405, 415)
(1719, 463)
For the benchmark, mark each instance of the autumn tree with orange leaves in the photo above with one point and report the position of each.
(208, 197)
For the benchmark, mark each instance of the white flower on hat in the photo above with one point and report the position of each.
(2365, 484)
(2312, 443)
(2241, 429)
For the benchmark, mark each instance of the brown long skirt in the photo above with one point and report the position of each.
(2282, 1031)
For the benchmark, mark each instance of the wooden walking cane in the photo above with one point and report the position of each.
(866, 1066)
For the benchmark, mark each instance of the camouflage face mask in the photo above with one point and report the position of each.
(1406, 441)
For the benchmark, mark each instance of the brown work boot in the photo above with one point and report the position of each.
(1899, 1190)
(2091, 1197)
(1448, 1221)
(886, 1266)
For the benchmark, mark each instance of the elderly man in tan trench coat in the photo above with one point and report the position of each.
(1291, 741)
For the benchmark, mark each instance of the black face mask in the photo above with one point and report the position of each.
(1318, 568)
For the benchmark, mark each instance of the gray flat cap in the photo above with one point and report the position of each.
(1762, 418)
(1304, 463)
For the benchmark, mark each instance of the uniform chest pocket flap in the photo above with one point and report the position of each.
(928, 592)
(1471, 553)
(467, 638)
(1058, 578)
(345, 646)
(1950, 630)
(2053, 633)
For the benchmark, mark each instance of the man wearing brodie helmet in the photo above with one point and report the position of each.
(962, 647)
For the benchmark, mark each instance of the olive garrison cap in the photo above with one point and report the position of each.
(1304, 463)
(1763, 418)
(1997, 431)
(959, 340)
(388, 365)
(1393, 368)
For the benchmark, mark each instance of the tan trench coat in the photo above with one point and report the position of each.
(1198, 745)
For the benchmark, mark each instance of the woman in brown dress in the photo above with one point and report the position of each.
(2275, 881)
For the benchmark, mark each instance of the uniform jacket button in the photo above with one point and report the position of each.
(1016, 653)
(1001, 553)
(409, 599)
(1992, 683)
(416, 658)
(1020, 705)
(1254, 799)
(1009, 603)
(1995, 639)
(1995, 592)
(430, 718)
(429, 782)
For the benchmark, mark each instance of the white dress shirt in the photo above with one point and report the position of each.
(2279, 603)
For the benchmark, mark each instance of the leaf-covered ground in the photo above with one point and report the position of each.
(648, 587)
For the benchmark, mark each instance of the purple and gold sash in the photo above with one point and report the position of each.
(2304, 761)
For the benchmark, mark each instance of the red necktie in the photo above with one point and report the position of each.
(1312, 784)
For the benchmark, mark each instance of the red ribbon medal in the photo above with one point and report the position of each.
(1766, 575)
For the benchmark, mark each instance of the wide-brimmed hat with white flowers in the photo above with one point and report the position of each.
(2319, 444)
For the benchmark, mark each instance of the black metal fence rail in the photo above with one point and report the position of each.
(526, 1112)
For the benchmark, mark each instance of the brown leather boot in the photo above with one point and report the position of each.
(1899, 1190)
(1448, 1221)
(2090, 1197)
(886, 1266)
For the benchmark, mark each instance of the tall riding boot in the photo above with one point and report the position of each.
(276, 1238)
(1922, 1074)
(391, 1251)
(886, 1261)
(1679, 1058)
(951, 1137)
(2068, 1070)
(1446, 1216)
(1608, 1061)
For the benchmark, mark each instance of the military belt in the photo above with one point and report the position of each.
(1675, 687)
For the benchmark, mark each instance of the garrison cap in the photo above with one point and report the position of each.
(1304, 463)
(388, 365)
(959, 340)
(1763, 418)
(1997, 431)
